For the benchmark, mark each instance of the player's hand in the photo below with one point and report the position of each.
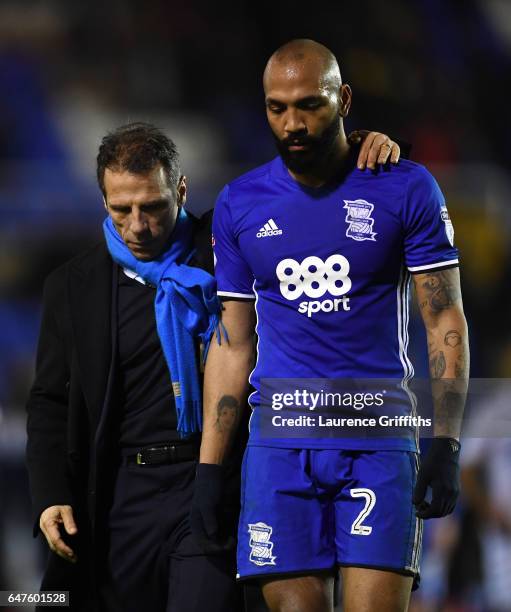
(50, 521)
(439, 470)
(206, 507)
(376, 148)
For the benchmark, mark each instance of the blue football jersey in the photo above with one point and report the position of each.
(329, 270)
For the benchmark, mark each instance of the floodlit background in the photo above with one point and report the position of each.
(431, 72)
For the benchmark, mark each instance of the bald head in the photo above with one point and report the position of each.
(304, 55)
(306, 103)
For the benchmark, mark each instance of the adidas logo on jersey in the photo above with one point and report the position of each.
(270, 228)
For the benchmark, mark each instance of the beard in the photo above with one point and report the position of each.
(315, 156)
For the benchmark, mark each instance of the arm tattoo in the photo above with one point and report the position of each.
(449, 406)
(442, 291)
(227, 413)
(440, 303)
(437, 365)
(452, 338)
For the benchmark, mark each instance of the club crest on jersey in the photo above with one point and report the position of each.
(260, 544)
(359, 220)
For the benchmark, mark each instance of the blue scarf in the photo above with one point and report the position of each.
(186, 307)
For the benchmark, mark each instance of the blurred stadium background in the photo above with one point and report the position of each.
(431, 72)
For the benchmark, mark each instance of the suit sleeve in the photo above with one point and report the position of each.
(47, 409)
(429, 234)
(233, 275)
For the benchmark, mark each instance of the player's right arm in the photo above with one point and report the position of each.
(229, 362)
(225, 392)
(228, 367)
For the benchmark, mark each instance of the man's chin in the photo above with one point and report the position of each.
(143, 254)
(298, 165)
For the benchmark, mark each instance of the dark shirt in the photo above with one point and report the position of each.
(148, 413)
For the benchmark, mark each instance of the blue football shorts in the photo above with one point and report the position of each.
(304, 511)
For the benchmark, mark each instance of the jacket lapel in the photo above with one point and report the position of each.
(90, 297)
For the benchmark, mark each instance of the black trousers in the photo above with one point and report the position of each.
(153, 561)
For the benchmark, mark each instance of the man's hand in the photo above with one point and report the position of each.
(441, 471)
(205, 512)
(376, 148)
(50, 522)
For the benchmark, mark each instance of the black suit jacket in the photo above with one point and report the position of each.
(71, 449)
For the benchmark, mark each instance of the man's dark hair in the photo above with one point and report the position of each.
(138, 148)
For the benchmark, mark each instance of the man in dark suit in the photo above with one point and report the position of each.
(111, 474)
(114, 413)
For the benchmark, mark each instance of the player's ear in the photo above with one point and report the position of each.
(344, 100)
(104, 203)
(181, 191)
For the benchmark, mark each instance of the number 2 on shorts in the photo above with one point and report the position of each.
(370, 499)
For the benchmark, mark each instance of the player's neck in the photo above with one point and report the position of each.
(329, 170)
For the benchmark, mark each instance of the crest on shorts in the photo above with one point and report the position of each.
(359, 220)
(260, 544)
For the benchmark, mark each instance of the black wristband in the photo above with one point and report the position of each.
(209, 479)
(447, 445)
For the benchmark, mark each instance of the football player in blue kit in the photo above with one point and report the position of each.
(316, 256)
